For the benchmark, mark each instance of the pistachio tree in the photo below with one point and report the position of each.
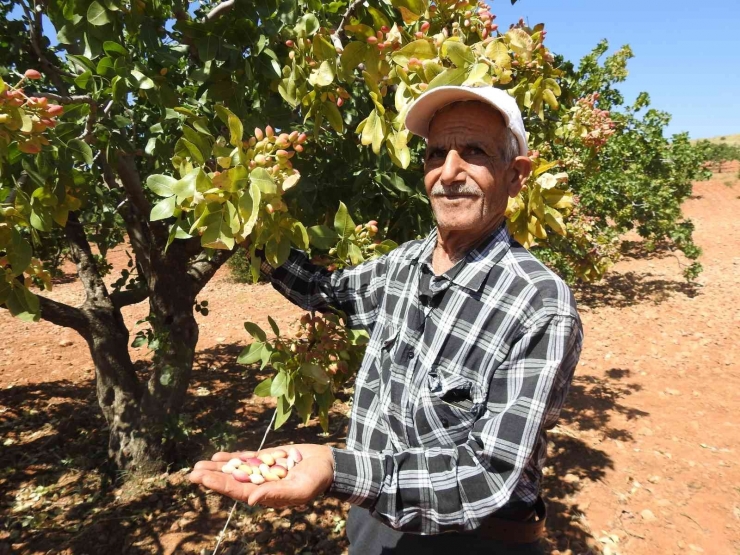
(188, 131)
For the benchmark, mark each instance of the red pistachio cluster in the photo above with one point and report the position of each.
(25, 118)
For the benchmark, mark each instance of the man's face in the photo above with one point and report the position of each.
(463, 173)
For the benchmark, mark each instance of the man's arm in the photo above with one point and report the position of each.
(356, 291)
(436, 490)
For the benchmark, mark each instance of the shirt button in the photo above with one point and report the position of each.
(411, 355)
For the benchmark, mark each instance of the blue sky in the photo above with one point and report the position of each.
(687, 53)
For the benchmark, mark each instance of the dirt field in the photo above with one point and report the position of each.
(642, 463)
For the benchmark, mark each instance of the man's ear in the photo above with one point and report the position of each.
(517, 174)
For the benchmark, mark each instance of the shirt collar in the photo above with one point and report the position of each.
(471, 271)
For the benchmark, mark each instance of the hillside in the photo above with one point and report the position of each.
(733, 140)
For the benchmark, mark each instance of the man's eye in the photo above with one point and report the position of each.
(475, 151)
(435, 155)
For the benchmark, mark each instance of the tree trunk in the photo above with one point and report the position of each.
(134, 442)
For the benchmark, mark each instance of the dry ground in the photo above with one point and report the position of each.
(644, 461)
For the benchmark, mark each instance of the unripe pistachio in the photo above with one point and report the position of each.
(419, 35)
(163, 71)
(293, 136)
(269, 131)
(372, 40)
(302, 138)
(425, 26)
(279, 471)
(295, 454)
(289, 43)
(256, 479)
(258, 133)
(227, 469)
(340, 102)
(384, 28)
(32, 74)
(252, 141)
(260, 159)
(278, 454)
(269, 208)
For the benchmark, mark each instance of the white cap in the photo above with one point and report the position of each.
(422, 111)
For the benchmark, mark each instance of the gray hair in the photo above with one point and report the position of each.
(510, 149)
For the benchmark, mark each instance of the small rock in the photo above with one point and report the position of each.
(673, 392)
(648, 516)
(571, 479)
(220, 339)
(66, 343)
(644, 431)
(696, 548)
(654, 479)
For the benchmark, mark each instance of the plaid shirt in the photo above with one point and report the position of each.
(463, 374)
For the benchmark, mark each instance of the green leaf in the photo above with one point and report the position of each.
(236, 129)
(304, 405)
(279, 384)
(219, 233)
(307, 25)
(322, 237)
(283, 412)
(334, 116)
(459, 54)
(263, 389)
(251, 353)
(161, 184)
(263, 180)
(41, 219)
(81, 151)
(316, 372)
(23, 304)
(20, 253)
(249, 204)
(420, 49)
(343, 223)
(454, 76)
(274, 326)
(163, 209)
(323, 76)
(111, 47)
(97, 15)
(105, 67)
(142, 81)
(355, 254)
(255, 331)
(82, 79)
(353, 55)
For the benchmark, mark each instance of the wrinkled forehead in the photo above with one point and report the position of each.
(469, 119)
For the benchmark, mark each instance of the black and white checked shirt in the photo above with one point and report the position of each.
(463, 374)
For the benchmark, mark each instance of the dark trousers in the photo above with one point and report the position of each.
(368, 536)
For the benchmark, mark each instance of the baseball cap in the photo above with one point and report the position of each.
(423, 109)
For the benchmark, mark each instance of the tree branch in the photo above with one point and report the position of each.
(136, 223)
(63, 315)
(132, 183)
(222, 9)
(87, 268)
(35, 26)
(129, 297)
(336, 37)
(203, 268)
(72, 99)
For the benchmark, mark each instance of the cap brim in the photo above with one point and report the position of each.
(421, 112)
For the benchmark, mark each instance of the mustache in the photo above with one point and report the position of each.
(466, 189)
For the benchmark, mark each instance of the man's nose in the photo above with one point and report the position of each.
(452, 171)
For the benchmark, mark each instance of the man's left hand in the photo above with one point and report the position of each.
(304, 482)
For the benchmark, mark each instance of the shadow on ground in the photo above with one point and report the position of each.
(619, 290)
(58, 495)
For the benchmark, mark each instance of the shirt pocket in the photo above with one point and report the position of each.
(448, 410)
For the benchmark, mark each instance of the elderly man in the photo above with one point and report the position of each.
(473, 347)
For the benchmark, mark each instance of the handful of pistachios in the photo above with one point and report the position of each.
(265, 467)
